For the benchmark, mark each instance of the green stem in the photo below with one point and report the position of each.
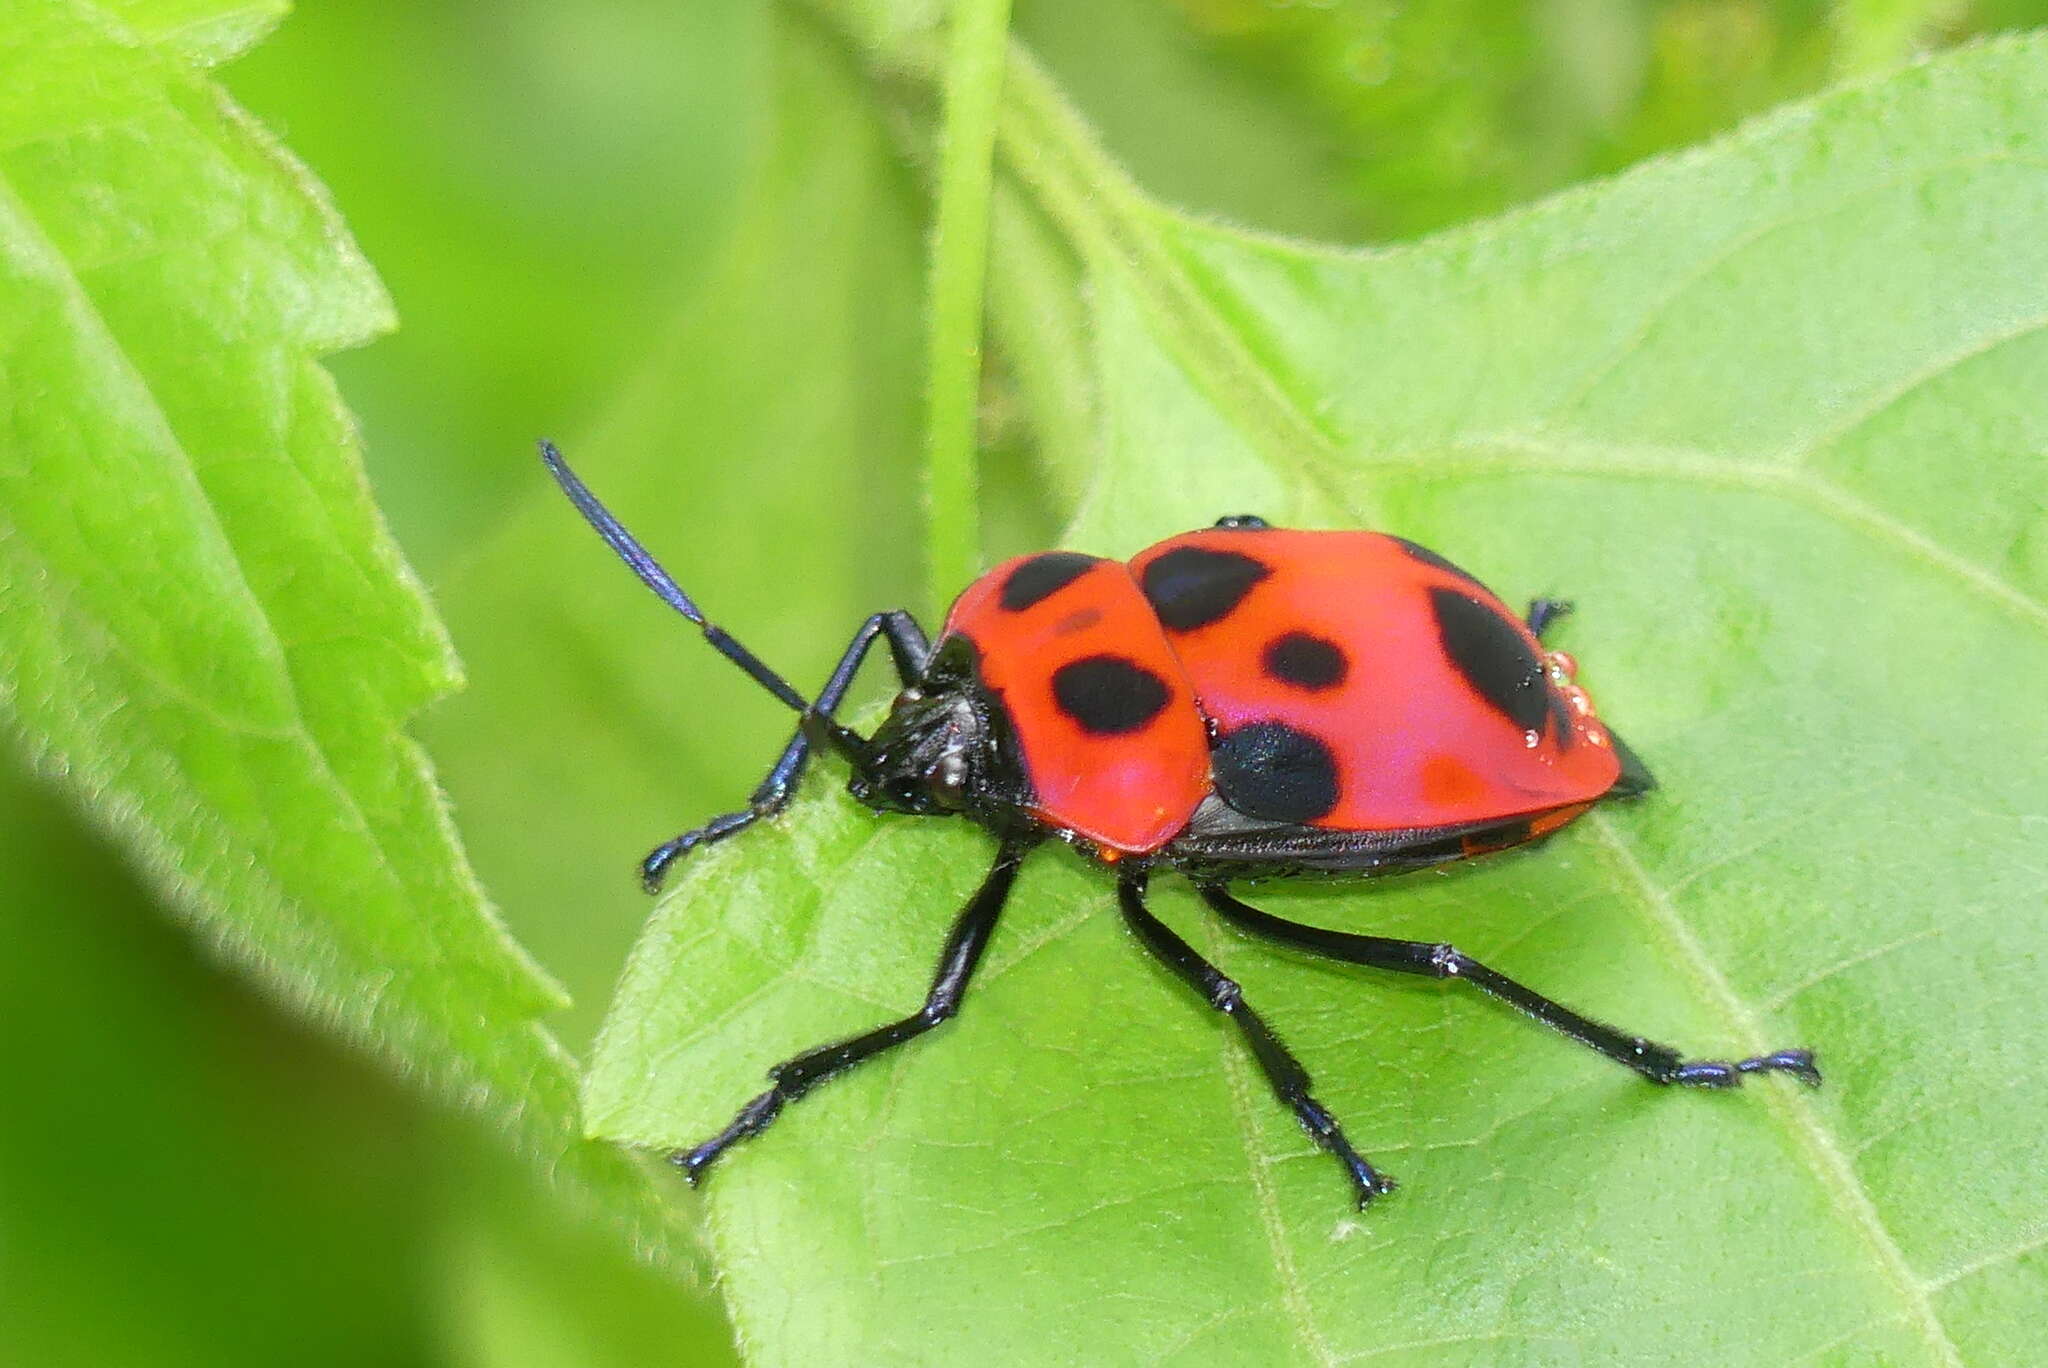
(1051, 154)
(973, 82)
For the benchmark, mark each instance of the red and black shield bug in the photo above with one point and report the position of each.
(1237, 703)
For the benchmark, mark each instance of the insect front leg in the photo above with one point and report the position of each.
(908, 651)
(798, 1075)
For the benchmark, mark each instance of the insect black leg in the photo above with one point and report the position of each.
(1658, 1063)
(1544, 611)
(907, 649)
(796, 1076)
(1290, 1082)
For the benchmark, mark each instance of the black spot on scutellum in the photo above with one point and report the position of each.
(1108, 695)
(1039, 578)
(1275, 772)
(1193, 586)
(1306, 661)
(1493, 657)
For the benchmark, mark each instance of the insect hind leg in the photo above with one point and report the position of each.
(1658, 1063)
(1544, 611)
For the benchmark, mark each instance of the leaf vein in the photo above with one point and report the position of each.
(1906, 386)
(1825, 1156)
(2036, 1240)
(1506, 454)
(1814, 980)
(1286, 1272)
(1733, 247)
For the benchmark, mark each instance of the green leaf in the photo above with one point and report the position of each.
(1771, 413)
(209, 637)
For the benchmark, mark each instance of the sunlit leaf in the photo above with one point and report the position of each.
(1771, 412)
(208, 637)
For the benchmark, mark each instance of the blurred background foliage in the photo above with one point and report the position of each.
(685, 239)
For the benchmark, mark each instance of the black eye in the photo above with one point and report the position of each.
(903, 792)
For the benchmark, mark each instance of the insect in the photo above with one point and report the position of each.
(1237, 703)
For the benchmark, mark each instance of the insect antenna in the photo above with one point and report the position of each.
(661, 582)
